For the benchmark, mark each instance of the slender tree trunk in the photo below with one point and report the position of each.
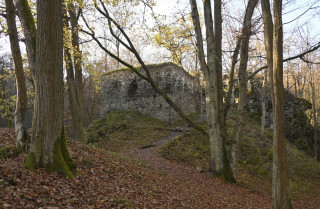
(280, 183)
(316, 144)
(234, 60)
(295, 87)
(7, 113)
(268, 40)
(301, 90)
(118, 53)
(315, 120)
(21, 102)
(74, 74)
(72, 90)
(48, 143)
(220, 133)
(212, 102)
(219, 162)
(243, 103)
(288, 88)
(264, 100)
(29, 30)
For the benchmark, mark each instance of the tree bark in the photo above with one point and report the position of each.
(264, 100)
(212, 95)
(314, 119)
(280, 183)
(74, 73)
(268, 42)
(48, 143)
(21, 101)
(242, 75)
(231, 80)
(29, 30)
(219, 162)
(268, 39)
(6, 108)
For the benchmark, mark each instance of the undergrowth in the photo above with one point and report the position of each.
(255, 159)
(123, 130)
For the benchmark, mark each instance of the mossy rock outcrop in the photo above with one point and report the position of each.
(299, 130)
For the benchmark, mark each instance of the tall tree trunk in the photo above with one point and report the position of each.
(21, 102)
(220, 134)
(314, 119)
(316, 144)
(295, 86)
(234, 60)
(215, 135)
(280, 183)
(7, 113)
(301, 87)
(288, 88)
(264, 100)
(74, 75)
(29, 30)
(219, 162)
(268, 39)
(48, 143)
(243, 103)
(70, 76)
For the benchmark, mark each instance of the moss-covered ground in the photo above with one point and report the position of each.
(122, 130)
(255, 160)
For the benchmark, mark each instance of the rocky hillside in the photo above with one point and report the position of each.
(299, 130)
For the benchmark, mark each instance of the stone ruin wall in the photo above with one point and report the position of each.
(124, 90)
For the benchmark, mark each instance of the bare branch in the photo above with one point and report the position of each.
(301, 56)
(148, 78)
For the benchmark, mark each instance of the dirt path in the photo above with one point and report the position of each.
(203, 185)
(150, 154)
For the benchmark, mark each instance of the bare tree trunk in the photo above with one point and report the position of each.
(227, 103)
(74, 76)
(29, 30)
(288, 88)
(301, 89)
(118, 53)
(219, 162)
(243, 103)
(295, 86)
(48, 143)
(7, 113)
(263, 100)
(280, 183)
(212, 96)
(314, 119)
(316, 145)
(72, 90)
(21, 102)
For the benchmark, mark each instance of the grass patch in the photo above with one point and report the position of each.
(192, 116)
(191, 148)
(123, 130)
(255, 160)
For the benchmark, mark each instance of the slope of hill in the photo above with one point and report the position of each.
(255, 161)
(134, 175)
(108, 180)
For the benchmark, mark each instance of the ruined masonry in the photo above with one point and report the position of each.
(123, 90)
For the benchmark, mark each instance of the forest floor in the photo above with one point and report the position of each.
(141, 179)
